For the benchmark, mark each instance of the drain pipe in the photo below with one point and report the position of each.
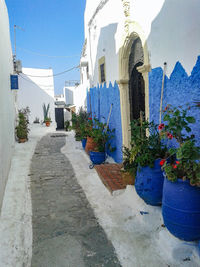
(162, 90)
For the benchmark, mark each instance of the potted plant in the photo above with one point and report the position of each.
(129, 167)
(67, 125)
(79, 119)
(37, 120)
(146, 152)
(22, 127)
(101, 135)
(47, 119)
(181, 191)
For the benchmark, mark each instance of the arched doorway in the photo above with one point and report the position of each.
(136, 81)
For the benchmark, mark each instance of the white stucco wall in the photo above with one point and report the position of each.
(170, 28)
(80, 94)
(36, 91)
(7, 106)
(69, 94)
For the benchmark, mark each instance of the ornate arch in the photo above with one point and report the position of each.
(132, 31)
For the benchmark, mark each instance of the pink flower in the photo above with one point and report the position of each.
(177, 162)
(161, 126)
(162, 162)
(174, 166)
(169, 136)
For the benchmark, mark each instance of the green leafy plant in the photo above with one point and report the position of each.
(146, 145)
(177, 124)
(184, 161)
(67, 124)
(79, 123)
(129, 165)
(22, 127)
(101, 135)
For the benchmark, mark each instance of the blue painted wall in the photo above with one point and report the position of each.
(179, 90)
(101, 99)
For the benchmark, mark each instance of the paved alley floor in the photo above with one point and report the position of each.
(65, 230)
(57, 212)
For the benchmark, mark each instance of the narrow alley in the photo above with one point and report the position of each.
(57, 212)
(65, 230)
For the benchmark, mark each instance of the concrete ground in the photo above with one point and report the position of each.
(72, 219)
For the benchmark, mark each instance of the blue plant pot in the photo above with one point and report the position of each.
(181, 209)
(84, 141)
(149, 184)
(97, 157)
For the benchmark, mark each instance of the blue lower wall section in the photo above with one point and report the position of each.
(101, 99)
(179, 90)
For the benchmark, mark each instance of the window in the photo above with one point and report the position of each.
(102, 70)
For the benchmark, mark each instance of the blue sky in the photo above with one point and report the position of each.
(52, 27)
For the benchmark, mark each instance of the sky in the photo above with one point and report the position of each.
(51, 27)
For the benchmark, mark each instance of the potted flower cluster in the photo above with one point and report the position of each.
(79, 125)
(146, 152)
(22, 127)
(181, 191)
(101, 135)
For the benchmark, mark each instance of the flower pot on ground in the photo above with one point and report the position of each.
(47, 121)
(90, 145)
(97, 157)
(146, 151)
(181, 209)
(84, 141)
(181, 191)
(149, 183)
(98, 140)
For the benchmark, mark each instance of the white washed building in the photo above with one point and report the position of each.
(126, 45)
(36, 87)
(7, 100)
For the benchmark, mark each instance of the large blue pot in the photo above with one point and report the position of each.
(181, 209)
(97, 157)
(84, 141)
(149, 184)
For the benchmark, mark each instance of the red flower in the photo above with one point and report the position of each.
(174, 166)
(169, 136)
(162, 162)
(161, 126)
(166, 108)
(177, 162)
(89, 118)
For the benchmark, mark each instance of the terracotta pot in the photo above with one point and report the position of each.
(90, 145)
(47, 123)
(128, 178)
(22, 140)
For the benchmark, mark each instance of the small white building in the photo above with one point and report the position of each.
(76, 96)
(36, 87)
(7, 100)
(127, 43)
